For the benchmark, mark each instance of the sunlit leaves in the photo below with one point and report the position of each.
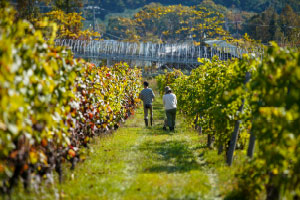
(277, 116)
(52, 104)
(69, 25)
(211, 96)
(170, 23)
(274, 92)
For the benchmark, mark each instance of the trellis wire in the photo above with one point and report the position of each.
(181, 53)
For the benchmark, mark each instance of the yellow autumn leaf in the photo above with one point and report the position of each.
(33, 157)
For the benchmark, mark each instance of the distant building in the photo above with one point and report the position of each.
(225, 47)
(219, 43)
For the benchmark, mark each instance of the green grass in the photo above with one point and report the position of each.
(144, 163)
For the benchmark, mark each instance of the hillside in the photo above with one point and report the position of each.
(245, 5)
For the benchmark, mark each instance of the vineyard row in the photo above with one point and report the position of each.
(245, 103)
(51, 104)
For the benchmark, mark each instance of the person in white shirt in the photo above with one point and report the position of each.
(165, 119)
(170, 104)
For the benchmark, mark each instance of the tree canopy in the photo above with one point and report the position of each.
(269, 25)
(245, 5)
(169, 23)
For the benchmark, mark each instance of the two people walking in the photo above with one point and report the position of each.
(169, 102)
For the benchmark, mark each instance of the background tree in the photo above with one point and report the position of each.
(69, 25)
(27, 9)
(274, 30)
(290, 25)
(269, 25)
(211, 5)
(245, 5)
(30, 9)
(170, 23)
(68, 6)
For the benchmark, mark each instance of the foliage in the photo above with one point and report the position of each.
(68, 6)
(105, 97)
(275, 169)
(51, 104)
(253, 47)
(105, 174)
(259, 5)
(276, 21)
(167, 79)
(69, 25)
(30, 10)
(169, 23)
(211, 96)
(27, 9)
(211, 5)
(270, 26)
(245, 5)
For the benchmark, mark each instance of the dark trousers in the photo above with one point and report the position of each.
(171, 116)
(146, 112)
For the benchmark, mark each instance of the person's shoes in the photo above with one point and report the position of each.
(146, 122)
(172, 129)
(164, 128)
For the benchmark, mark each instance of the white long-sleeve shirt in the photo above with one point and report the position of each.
(170, 101)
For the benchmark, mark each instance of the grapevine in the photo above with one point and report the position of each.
(51, 104)
(274, 170)
(211, 95)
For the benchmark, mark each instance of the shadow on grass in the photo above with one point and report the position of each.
(173, 157)
(200, 146)
(155, 130)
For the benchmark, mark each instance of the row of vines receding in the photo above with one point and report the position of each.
(52, 104)
(220, 101)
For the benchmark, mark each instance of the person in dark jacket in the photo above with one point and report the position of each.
(147, 96)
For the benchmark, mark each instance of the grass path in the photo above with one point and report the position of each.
(143, 163)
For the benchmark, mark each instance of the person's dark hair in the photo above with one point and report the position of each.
(169, 91)
(146, 84)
